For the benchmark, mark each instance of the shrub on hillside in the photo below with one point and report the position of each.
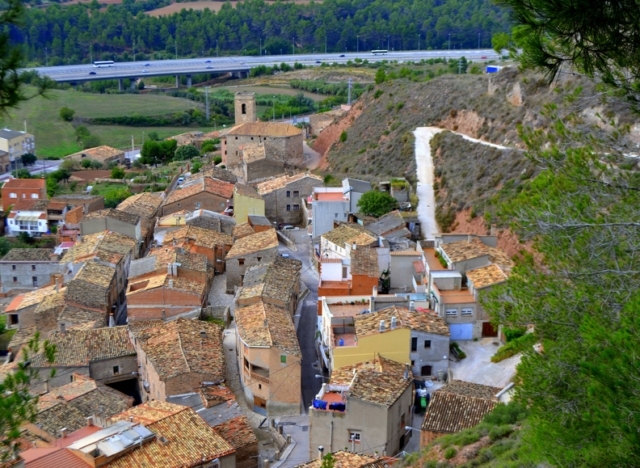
(374, 203)
(66, 114)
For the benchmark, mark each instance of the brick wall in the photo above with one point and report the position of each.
(208, 201)
(235, 270)
(362, 285)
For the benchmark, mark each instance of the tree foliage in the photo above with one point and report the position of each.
(117, 173)
(375, 203)
(67, 114)
(186, 152)
(28, 159)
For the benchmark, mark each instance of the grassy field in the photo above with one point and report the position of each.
(55, 137)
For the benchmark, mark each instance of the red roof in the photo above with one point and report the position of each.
(60, 458)
(330, 196)
(35, 184)
(25, 205)
(15, 303)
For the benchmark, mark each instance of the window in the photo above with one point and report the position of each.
(246, 363)
(13, 319)
(336, 215)
(34, 195)
(425, 371)
(427, 344)
(452, 312)
(15, 279)
(241, 261)
(414, 343)
(288, 193)
(24, 195)
(116, 370)
(259, 258)
(344, 272)
(355, 436)
(34, 280)
(33, 268)
(288, 207)
(13, 267)
(413, 363)
(296, 193)
(467, 312)
(13, 195)
(244, 110)
(283, 358)
(296, 207)
(259, 386)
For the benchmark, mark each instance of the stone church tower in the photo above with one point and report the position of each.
(245, 107)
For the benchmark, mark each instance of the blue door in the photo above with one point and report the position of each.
(461, 331)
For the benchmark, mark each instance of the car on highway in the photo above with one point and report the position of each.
(147, 64)
(484, 57)
(318, 61)
(92, 73)
(145, 71)
(207, 61)
(209, 67)
(341, 55)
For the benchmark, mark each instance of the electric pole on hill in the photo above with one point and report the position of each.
(206, 100)
(349, 95)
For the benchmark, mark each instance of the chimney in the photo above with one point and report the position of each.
(171, 284)
(354, 246)
(90, 421)
(47, 388)
(112, 321)
(63, 327)
(468, 237)
(381, 325)
(374, 293)
(380, 241)
(406, 371)
(164, 315)
(203, 334)
(130, 418)
(63, 432)
(320, 452)
(174, 267)
(55, 282)
(393, 323)
(412, 306)
(169, 270)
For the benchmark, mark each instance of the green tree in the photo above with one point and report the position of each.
(381, 76)
(186, 152)
(114, 197)
(151, 152)
(208, 146)
(343, 136)
(22, 174)
(28, 159)
(86, 163)
(67, 114)
(196, 167)
(500, 42)
(375, 203)
(153, 136)
(117, 173)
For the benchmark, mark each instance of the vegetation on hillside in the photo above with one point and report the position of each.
(76, 33)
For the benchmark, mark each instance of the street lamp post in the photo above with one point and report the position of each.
(274, 107)
(358, 44)
(325, 44)
(388, 39)
(449, 41)
(478, 40)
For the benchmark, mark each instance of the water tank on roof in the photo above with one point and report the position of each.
(340, 342)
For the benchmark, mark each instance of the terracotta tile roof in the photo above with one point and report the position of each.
(247, 191)
(263, 324)
(37, 183)
(215, 172)
(406, 253)
(466, 250)
(279, 279)
(486, 276)
(75, 316)
(125, 217)
(276, 183)
(29, 299)
(68, 406)
(269, 129)
(96, 273)
(81, 347)
(200, 236)
(107, 241)
(344, 459)
(381, 381)
(369, 324)
(28, 255)
(350, 233)
(237, 431)
(189, 260)
(190, 286)
(242, 230)
(458, 406)
(99, 153)
(364, 261)
(213, 395)
(52, 300)
(20, 337)
(59, 458)
(254, 243)
(202, 184)
(190, 440)
(91, 286)
(145, 204)
(179, 347)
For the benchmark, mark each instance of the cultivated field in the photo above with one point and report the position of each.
(213, 6)
(55, 137)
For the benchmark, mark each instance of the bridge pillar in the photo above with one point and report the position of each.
(188, 81)
(177, 82)
(133, 84)
(120, 84)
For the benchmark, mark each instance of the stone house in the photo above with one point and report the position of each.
(276, 283)
(355, 188)
(349, 459)
(96, 287)
(23, 189)
(27, 269)
(255, 166)
(404, 269)
(282, 143)
(246, 201)
(104, 354)
(244, 107)
(146, 205)
(364, 406)
(102, 154)
(259, 223)
(186, 264)
(56, 311)
(457, 406)
(283, 196)
(200, 193)
(69, 406)
(20, 312)
(266, 345)
(127, 224)
(255, 249)
(341, 241)
(243, 230)
(212, 244)
(178, 357)
(88, 202)
(390, 225)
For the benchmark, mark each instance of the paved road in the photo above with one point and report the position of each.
(39, 168)
(307, 320)
(72, 73)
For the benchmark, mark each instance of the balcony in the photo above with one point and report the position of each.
(258, 378)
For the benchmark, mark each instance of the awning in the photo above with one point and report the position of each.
(26, 218)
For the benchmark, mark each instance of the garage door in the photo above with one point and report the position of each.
(461, 331)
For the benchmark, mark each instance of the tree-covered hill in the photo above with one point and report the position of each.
(72, 34)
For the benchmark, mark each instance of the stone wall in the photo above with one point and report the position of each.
(206, 201)
(277, 202)
(238, 265)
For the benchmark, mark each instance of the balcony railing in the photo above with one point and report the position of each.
(259, 378)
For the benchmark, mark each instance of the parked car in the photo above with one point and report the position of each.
(286, 227)
(180, 180)
(285, 255)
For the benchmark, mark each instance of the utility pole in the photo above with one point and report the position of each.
(349, 97)
(132, 145)
(175, 41)
(206, 99)
(216, 47)
(478, 40)
(293, 46)
(134, 49)
(358, 44)
(91, 53)
(459, 66)
(388, 39)
(325, 43)
(260, 47)
(449, 41)
(46, 54)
